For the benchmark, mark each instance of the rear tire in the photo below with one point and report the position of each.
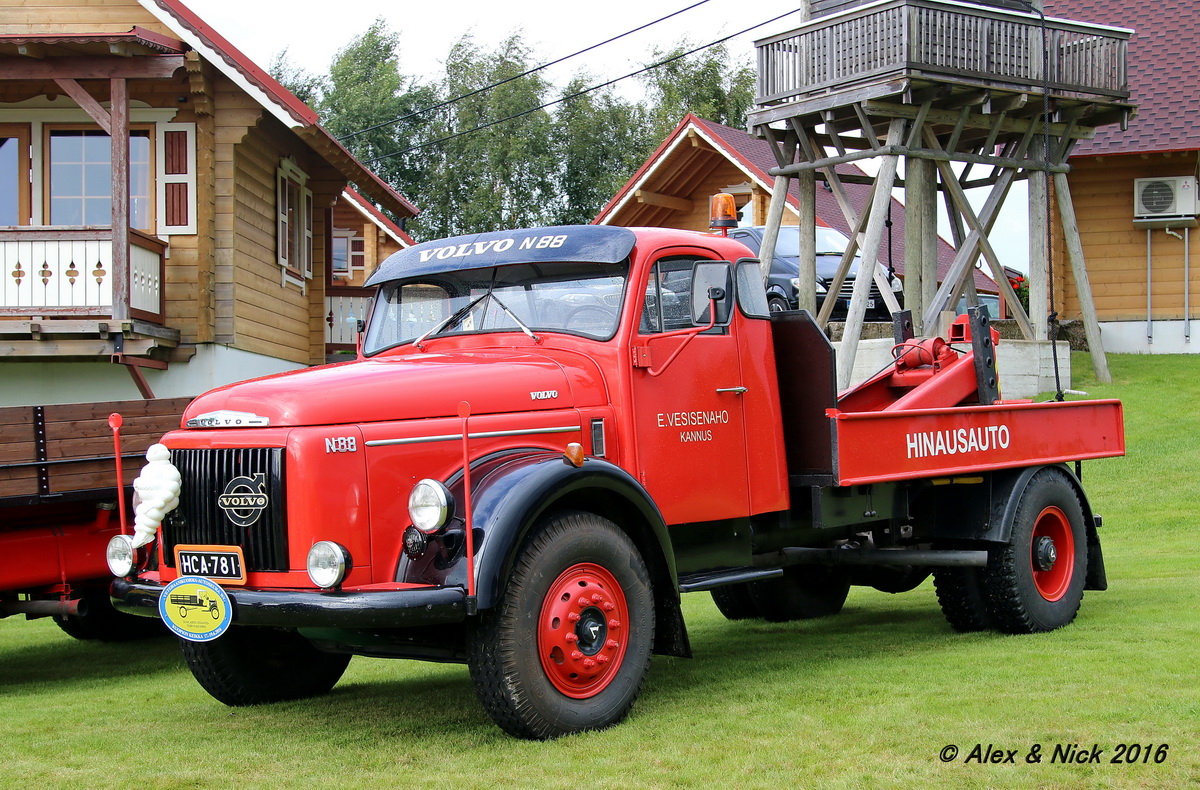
(567, 646)
(960, 594)
(735, 602)
(1035, 583)
(803, 592)
(252, 666)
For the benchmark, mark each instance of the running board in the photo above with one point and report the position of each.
(707, 580)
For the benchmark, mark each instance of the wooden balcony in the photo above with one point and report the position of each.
(906, 46)
(61, 271)
(62, 298)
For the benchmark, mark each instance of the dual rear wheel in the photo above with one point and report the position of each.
(1035, 582)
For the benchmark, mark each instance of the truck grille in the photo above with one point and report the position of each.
(200, 519)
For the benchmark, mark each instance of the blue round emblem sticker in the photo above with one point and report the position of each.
(195, 608)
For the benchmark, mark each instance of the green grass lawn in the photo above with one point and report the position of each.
(867, 699)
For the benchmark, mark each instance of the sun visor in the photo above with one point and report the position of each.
(567, 243)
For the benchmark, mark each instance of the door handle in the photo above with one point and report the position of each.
(734, 390)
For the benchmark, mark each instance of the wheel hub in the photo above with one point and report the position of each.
(581, 630)
(1045, 554)
(1052, 553)
(592, 630)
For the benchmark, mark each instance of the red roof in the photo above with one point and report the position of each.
(282, 101)
(755, 156)
(1164, 72)
(368, 208)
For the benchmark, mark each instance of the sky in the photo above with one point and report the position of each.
(312, 33)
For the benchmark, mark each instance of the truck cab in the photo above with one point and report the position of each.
(547, 436)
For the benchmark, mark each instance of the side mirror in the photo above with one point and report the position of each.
(712, 282)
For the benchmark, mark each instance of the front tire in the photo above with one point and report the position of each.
(252, 666)
(1035, 583)
(568, 645)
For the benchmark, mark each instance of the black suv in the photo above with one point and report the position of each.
(783, 281)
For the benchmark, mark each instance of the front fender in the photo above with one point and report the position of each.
(511, 499)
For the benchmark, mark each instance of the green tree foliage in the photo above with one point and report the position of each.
(366, 91)
(307, 86)
(600, 140)
(707, 83)
(476, 158)
(499, 177)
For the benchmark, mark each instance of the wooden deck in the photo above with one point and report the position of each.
(901, 47)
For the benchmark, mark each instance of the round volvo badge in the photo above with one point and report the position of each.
(244, 499)
(195, 608)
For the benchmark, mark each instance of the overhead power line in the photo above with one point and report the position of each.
(534, 70)
(577, 94)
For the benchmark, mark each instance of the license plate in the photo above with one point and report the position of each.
(222, 563)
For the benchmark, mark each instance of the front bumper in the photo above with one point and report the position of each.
(311, 609)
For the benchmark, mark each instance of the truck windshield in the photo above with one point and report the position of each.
(576, 298)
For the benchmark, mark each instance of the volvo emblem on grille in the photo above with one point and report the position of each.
(244, 498)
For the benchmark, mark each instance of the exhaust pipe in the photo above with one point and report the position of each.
(72, 607)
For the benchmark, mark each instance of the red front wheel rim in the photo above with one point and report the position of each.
(582, 630)
(1052, 553)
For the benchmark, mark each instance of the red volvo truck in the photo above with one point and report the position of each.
(59, 508)
(548, 435)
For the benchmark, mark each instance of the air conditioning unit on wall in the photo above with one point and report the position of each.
(1160, 200)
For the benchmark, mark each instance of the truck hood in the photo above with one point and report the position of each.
(397, 388)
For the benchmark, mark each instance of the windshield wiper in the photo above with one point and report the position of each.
(513, 316)
(454, 318)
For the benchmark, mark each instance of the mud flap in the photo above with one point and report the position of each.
(1096, 578)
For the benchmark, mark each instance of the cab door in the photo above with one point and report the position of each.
(687, 404)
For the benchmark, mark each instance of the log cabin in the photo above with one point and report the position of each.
(171, 217)
(1135, 191)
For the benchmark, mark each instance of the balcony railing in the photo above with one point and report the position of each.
(951, 41)
(58, 271)
(344, 308)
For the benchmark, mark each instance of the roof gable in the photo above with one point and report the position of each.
(277, 100)
(754, 157)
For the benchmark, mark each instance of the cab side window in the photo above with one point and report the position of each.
(668, 296)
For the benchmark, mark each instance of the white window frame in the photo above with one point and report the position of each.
(346, 235)
(162, 178)
(297, 272)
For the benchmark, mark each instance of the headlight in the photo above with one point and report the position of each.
(327, 563)
(796, 284)
(120, 555)
(430, 506)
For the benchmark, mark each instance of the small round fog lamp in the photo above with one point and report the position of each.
(430, 506)
(328, 563)
(120, 555)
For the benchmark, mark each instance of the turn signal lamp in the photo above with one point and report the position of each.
(574, 454)
(722, 211)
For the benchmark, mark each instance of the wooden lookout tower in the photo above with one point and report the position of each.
(967, 95)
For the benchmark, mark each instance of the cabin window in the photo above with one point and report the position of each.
(294, 206)
(79, 183)
(14, 174)
(349, 252)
